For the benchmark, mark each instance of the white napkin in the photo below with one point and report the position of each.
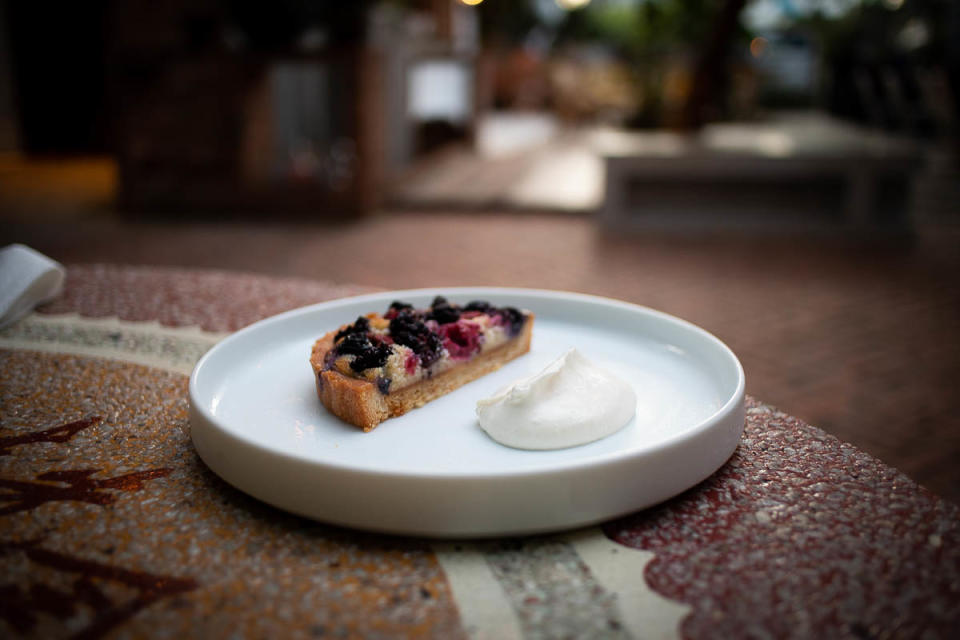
(27, 278)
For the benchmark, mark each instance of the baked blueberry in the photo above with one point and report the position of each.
(512, 319)
(397, 307)
(354, 344)
(443, 312)
(478, 305)
(372, 358)
(362, 325)
(408, 330)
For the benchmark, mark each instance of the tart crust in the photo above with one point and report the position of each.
(360, 403)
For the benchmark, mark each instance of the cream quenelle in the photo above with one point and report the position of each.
(570, 402)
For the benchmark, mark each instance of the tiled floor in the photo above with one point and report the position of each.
(857, 337)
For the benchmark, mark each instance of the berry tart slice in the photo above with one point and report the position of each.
(382, 366)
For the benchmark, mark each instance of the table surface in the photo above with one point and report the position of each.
(111, 525)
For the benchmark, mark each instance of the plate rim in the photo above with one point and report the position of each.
(730, 404)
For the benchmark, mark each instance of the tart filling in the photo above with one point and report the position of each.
(407, 345)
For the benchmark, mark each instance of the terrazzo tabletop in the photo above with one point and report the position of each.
(111, 526)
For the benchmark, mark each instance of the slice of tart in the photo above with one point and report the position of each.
(382, 366)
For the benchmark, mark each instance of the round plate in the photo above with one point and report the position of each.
(258, 424)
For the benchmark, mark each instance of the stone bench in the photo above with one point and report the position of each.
(798, 171)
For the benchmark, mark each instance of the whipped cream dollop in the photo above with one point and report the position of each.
(569, 403)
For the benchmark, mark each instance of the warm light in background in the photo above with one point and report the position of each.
(572, 4)
(758, 46)
(471, 3)
(893, 4)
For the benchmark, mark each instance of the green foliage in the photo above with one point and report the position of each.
(870, 30)
(644, 28)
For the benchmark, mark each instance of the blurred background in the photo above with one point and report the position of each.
(782, 172)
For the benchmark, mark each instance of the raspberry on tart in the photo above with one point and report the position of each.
(382, 366)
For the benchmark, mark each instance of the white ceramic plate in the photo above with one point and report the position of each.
(257, 423)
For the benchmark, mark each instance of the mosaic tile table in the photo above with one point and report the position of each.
(110, 526)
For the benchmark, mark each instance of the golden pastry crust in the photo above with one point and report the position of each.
(360, 403)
